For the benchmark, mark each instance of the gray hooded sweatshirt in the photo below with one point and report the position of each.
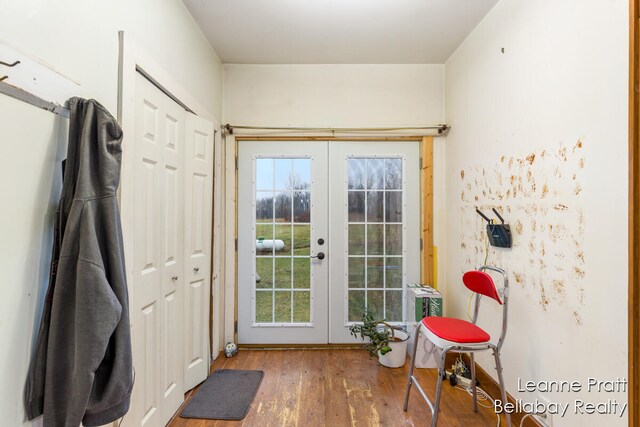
(81, 371)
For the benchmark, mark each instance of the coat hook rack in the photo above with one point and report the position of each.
(6, 64)
(33, 82)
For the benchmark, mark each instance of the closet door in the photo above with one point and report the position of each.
(157, 293)
(172, 295)
(197, 247)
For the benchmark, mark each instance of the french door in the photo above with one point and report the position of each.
(325, 231)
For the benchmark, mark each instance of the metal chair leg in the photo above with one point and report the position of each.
(441, 373)
(503, 391)
(411, 366)
(474, 392)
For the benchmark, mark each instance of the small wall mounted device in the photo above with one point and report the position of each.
(499, 234)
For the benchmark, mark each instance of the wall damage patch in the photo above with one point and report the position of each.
(540, 195)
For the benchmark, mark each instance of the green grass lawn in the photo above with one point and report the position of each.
(285, 279)
(288, 278)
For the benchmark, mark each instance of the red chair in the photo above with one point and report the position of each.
(459, 336)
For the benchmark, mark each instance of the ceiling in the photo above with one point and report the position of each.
(337, 31)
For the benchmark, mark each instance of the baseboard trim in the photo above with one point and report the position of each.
(488, 384)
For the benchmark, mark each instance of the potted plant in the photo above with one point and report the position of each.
(386, 343)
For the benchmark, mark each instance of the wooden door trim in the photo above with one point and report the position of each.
(634, 216)
(426, 211)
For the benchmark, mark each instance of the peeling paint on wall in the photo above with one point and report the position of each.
(539, 195)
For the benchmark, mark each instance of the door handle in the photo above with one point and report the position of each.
(320, 256)
(174, 278)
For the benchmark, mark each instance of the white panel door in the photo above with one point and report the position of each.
(156, 292)
(172, 244)
(362, 200)
(375, 231)
(282, 217)
(148, 264)
(197, 249)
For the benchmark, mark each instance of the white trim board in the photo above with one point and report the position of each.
(132, 59)
(35, 82)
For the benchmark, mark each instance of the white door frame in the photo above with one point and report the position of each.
(132, 59)
(232, 219)
(316, 330)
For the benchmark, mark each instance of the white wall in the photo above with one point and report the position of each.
(333, 95)
(540, 131)
(31, 175)
(80, 40)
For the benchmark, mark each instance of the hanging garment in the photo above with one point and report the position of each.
(82, 368)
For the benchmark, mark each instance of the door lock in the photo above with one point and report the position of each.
(320, 256)
(321, 242)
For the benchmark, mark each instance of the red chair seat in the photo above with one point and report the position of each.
(455, 330)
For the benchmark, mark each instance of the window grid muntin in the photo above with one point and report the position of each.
(262, 190)
(397, 189)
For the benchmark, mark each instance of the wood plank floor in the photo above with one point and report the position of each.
(340, 388)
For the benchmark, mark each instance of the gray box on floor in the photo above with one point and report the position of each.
(422, 301)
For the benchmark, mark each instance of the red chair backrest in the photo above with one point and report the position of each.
(480, 282)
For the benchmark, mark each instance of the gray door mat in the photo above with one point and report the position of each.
(226, 395)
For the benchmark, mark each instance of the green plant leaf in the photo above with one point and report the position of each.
(385, 350)
(370, 330)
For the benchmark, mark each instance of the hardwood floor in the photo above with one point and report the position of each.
(340, 388)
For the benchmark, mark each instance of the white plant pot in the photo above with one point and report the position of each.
(396, 357)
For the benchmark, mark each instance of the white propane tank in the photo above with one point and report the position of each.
(264, 244)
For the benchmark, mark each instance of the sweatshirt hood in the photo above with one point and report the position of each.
(94, 154)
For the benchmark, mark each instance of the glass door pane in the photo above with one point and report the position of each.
(283, 225)
(374, 205)
(282, 228)
(375, 236)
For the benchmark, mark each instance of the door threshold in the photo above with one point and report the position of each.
(300, 346)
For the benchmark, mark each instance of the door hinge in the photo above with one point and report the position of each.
(421, 246)
(235, 326)
(236, 162)
(420, 163)
(236, 245)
